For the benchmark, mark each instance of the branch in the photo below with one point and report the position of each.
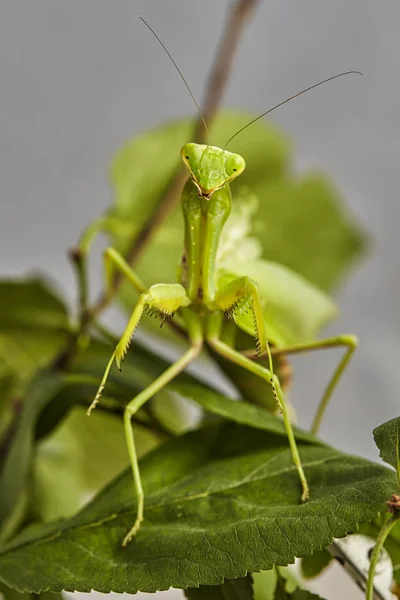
(216, 84)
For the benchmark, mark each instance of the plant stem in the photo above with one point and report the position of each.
(384, 532)
(217, 80)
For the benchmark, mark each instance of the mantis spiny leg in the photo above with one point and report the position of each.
(350, 342)
(212, 337)
(164, 299)
(241, 295)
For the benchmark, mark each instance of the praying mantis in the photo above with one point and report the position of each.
(204, 301)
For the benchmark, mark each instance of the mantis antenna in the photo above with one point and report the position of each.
(179, 71)
(311, 87)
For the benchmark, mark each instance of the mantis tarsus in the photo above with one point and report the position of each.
(201, 302)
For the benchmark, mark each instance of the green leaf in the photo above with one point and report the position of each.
(313, 565)
(231, 589)
(33, 325)
(210, 514)
(241, 412)
(80, 457)
(141, 367)
(18, 461)
(303, 225)
(294, 309)
(387, 438)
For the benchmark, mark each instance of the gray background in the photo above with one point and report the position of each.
(79, 78)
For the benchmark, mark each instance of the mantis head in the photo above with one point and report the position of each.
(210, 167)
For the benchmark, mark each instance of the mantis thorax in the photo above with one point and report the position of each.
(210, 167)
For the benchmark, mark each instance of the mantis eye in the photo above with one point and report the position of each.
(235, 165)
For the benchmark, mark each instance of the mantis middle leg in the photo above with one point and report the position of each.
(213, 339)
(133, 407)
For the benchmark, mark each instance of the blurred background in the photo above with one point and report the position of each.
(78, 79)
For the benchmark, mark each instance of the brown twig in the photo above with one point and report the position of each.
(216, 84)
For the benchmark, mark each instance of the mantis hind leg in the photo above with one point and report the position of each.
(213, 339)
(131, 409)
(349, 342)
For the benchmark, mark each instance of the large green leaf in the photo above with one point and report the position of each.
(210, 513)
(231, 589)
(302, 224)
(77, 459)
(33, 325)
(239, 411)
(387, 438)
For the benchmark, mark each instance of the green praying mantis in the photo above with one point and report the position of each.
(204, 301)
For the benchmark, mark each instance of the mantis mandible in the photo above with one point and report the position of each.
(203, 304)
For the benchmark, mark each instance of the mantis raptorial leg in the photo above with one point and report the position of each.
(198, 299)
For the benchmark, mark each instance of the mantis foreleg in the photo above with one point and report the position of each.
(212, 337)
(350, 342)
(240, 295)
(162, 298)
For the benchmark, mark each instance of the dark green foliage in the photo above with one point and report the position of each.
(214, 510)
(231, 589)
